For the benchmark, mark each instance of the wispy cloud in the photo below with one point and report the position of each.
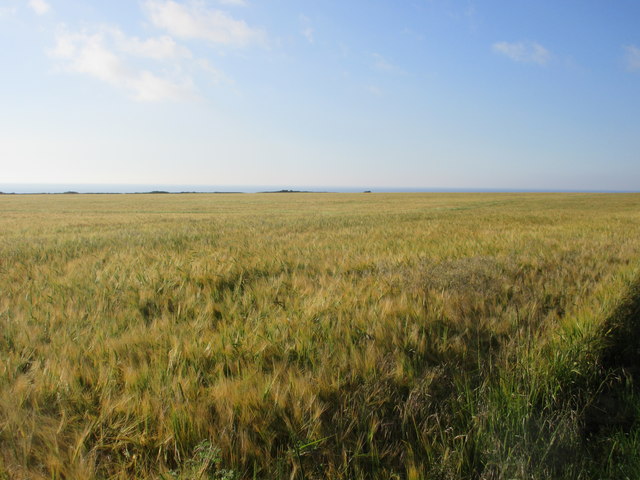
(215, 75)
(373, 90)
(102, 54)
(233, 3)
(632, 54)
(307, 30)
(524, 52)
(471, 14)
(156, 68)
(413, 34)
(196, 21)
(384, 65)
(7, 11)
(157, 48)
(39, 6)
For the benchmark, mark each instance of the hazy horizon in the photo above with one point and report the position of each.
(147, 188)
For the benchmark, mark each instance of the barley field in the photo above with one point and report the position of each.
(320, 336)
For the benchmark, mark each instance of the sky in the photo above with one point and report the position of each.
(501, 94)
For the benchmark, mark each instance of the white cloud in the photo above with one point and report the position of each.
(152, 88)
(7, 11)
(413, 34)
(195, 21)
(158, 48)
(99, 54)
(524, 52)
(216, 75)
(39, 6)
(632, 57)
(308, 34)
(233, 3)
(382, 64)
(373, 90)
(307, 30)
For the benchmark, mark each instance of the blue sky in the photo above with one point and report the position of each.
(514, 94)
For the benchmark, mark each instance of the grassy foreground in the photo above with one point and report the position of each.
(309, 336)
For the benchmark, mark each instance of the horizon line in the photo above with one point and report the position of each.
(139, 188)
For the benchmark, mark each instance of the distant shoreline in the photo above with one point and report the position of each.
(323, 192)
(118, 189)
(120, 193)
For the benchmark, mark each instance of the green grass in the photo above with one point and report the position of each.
(346, 336)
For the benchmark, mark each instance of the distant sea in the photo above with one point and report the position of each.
(142, 188)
